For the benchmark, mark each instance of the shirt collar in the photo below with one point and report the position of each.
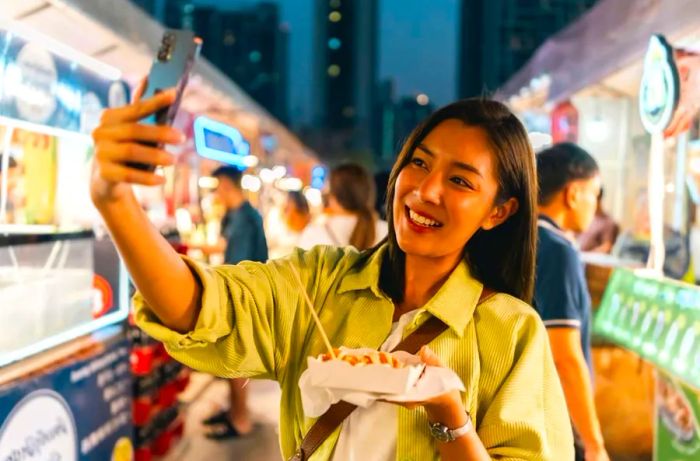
(546, 221)
(454, 303)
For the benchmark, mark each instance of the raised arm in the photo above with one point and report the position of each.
(158, 272)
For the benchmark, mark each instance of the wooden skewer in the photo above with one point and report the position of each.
(313, 312)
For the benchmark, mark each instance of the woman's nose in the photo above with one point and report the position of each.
(430, 189)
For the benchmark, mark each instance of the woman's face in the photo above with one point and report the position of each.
(447, 192)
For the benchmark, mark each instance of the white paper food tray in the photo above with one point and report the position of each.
(378, 378)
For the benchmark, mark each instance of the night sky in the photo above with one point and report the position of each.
(417, 47)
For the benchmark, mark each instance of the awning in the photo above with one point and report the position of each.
(612, 36)
(118, 33)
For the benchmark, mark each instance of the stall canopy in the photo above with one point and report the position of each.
(119, 34)
(608, 39)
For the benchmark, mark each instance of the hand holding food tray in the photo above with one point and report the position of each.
(363, 376)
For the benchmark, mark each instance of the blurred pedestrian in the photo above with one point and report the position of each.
(569, 186)
(349, 217)
(285, 235)
(243, 239)
(601, 235)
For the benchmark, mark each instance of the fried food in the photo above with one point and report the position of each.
(369, 358)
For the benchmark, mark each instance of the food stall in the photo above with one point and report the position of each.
(63, 291)
(586, 85)
(643, 311)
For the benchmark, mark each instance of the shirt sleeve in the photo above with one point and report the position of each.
(558, 288)
(526, 417)
(247, 316)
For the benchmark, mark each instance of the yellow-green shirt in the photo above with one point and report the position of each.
(254, 323)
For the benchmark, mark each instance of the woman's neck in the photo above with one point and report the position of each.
(420, 284)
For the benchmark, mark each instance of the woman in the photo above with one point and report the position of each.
(462, 202)
(349, 218)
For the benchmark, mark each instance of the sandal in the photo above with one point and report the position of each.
(216, 418)
(222, 431)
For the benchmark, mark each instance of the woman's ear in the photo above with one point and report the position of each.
(500, 213)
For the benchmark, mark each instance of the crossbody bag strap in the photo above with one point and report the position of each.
(338, 412)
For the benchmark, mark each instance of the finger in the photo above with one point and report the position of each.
(140, 88)
(133, 152)
(139, 109)
(140, 133)
(114, 172)
(428, 357)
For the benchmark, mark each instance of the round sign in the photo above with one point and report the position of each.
(660, 88)
(41, 426)
(34, 94)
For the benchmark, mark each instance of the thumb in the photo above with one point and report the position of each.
(429, 357)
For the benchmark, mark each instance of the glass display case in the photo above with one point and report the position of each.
(50, 292)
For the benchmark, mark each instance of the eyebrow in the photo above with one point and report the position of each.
(461, 165)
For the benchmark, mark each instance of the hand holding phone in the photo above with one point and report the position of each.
(171, 69)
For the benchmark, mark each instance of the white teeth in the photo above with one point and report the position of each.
(422, 220)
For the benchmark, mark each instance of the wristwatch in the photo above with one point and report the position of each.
(444, 434)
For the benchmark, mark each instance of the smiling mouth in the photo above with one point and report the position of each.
(420, 220)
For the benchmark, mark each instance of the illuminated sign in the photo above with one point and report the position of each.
(318, 177)
(218, 141)
(660, 87)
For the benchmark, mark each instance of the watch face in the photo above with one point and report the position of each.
(440, 432)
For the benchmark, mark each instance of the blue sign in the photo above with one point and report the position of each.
(78, 412)
(218, 141)
(39, 86)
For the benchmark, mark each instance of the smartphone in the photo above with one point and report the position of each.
(171, 68)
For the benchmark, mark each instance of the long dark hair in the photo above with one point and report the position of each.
(502, 258)
(353, 188)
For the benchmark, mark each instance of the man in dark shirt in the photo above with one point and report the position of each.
(569, 184)
(243, 239)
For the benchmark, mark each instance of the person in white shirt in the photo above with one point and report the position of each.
(284, 232)
(349, 218)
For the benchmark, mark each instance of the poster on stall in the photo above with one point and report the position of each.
(78, 412)
(677, 414)
(39, 165)
(45, 87)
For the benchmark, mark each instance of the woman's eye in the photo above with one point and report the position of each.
(461, 182)
(418, 162)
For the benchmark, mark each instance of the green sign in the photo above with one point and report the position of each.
(657, 318)
(677, 413)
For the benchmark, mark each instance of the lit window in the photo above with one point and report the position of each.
(335, 16)
(334, 43)
(334, 70)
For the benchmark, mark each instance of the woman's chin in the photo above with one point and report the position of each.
(413, 248)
